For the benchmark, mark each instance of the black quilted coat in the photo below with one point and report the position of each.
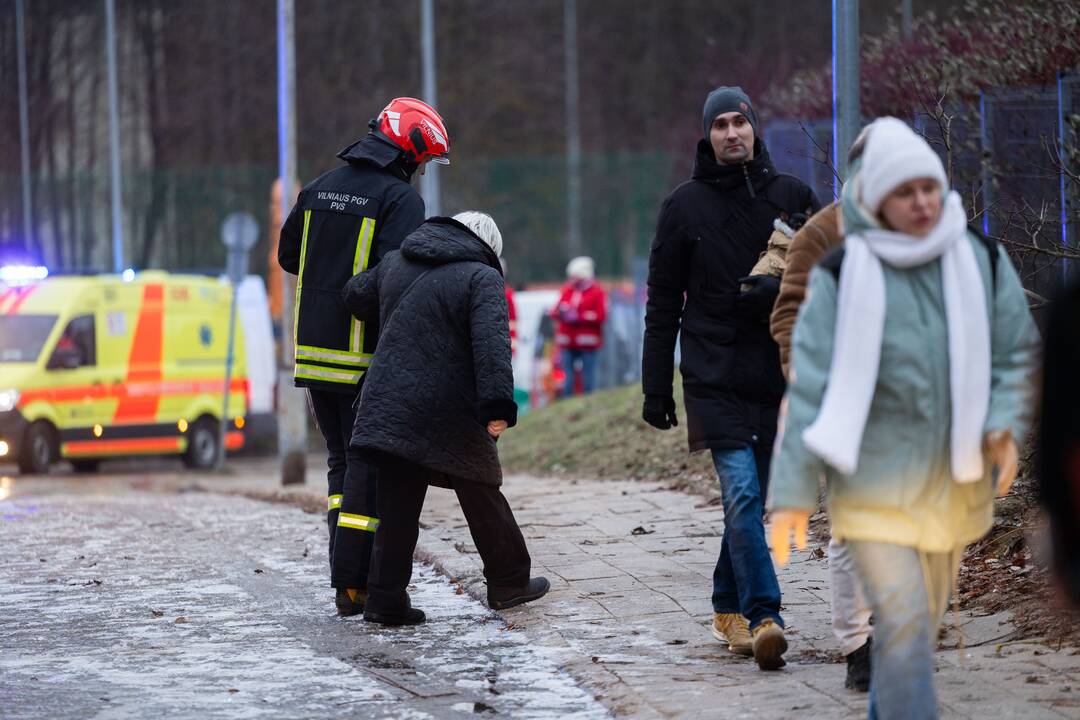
(442, 368)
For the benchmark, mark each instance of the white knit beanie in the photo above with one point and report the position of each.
(894, 155)
(581, 268)
(485, 228)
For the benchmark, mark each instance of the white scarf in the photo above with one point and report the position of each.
(836, 435)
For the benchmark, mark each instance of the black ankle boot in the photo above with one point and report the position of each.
(858, 669)
(405, 616)
(349, 601)
(502, 598)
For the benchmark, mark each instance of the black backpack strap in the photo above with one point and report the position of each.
(835, 257)
(991, 246)
(832, 261)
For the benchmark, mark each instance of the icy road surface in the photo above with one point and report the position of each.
(122, 603)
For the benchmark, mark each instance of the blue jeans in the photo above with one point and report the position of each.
(587, 359)
(744, 580)
(909, 593)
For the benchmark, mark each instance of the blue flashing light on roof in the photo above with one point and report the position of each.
(128, 275)
(15, 275)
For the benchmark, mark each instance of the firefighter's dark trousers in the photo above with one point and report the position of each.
(494, 531)
(351, 492)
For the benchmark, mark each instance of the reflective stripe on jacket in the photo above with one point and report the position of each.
(342, 224)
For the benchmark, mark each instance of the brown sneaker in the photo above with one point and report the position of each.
(769, 645)
(732, 628)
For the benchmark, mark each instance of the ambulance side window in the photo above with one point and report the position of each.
(77, 341)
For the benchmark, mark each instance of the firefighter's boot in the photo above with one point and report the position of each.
(350, 601)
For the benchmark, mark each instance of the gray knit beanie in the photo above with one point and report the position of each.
(725, 99)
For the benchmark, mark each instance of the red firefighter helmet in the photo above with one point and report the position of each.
(416, 128)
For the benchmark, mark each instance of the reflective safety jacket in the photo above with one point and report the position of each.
(343, 223)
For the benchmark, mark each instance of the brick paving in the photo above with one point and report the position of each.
(631, 566)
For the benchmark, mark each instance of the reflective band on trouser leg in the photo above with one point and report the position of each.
(325, 374)
(358, 522)
(333, 502)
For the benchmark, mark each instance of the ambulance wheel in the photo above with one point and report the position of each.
(202, 449)
(86, 467)
(39, 449)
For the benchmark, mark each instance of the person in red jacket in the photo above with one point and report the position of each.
(512, 310)
(580, 315)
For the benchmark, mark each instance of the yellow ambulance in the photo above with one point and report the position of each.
(107, 366)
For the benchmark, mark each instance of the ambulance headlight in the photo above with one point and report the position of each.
(8, 399)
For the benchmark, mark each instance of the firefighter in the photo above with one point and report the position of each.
(343, 223)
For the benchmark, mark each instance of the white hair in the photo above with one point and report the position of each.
(581, 268)
(485, 228)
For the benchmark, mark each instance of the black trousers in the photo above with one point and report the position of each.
(350, 492)
(402, 487)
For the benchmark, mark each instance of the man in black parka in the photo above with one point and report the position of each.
(344, 222)
(439, 393)
(711, 231)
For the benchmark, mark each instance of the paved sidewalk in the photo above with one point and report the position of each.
(631, 567)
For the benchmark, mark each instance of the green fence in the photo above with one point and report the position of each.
(172, 215)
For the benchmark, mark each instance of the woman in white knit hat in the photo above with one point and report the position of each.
(912, 382)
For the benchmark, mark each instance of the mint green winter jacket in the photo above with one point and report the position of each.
(903, 491)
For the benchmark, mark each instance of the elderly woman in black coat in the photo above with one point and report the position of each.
(437, 396)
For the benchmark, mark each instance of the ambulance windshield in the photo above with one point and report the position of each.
(22, 336)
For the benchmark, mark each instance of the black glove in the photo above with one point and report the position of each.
(756, 304)
(659, 411)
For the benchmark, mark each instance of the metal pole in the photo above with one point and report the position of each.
(24, 126)
(905, 19)
(987, 171)
(1064, 97)
(573, 130)
(114, 137)
(846, 114)
(429, 181)
(292, 404)
(228, 376)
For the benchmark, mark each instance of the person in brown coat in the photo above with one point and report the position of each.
(812, 241)
(850, 608)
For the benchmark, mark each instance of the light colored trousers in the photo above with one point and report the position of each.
(909, 593)
(850, 608)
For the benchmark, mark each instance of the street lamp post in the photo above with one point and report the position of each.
(846, 114)
(292, 406)
(429, 181)
(24, 126)
(573, 130)
(114, 137)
